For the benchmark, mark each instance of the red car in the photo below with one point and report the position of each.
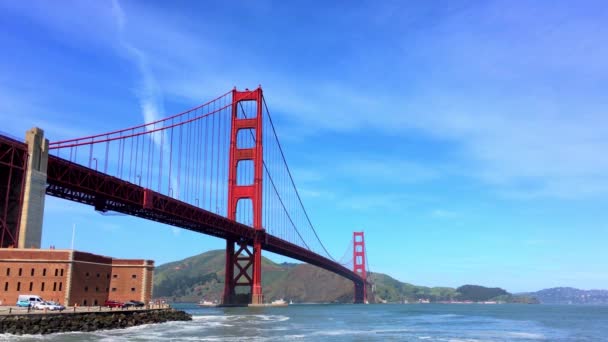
(114, 304)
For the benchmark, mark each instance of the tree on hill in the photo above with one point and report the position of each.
(477, 293)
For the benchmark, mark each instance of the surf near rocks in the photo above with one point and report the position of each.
(86, 321)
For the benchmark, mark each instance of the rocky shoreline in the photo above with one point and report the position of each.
(86, 321)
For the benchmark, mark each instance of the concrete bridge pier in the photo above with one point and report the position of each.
(30, 230)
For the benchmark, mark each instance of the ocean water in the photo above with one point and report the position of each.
(413, 322)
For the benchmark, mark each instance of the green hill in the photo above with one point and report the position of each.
(202, 277)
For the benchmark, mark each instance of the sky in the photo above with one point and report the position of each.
(467, 139)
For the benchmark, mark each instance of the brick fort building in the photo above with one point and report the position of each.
(67, 276)
(72, 277)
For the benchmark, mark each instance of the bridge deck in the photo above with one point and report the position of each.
(81, 184)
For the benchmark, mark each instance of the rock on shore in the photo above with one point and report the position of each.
(86, 321)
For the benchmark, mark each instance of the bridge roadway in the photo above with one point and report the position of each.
(78, 183)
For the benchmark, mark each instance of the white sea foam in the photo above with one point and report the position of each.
(271, 318)
(293, 337)
(249, 318)
(338, 332)
(209, 317)
(525, 335)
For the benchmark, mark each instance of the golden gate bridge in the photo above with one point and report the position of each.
(217, 169)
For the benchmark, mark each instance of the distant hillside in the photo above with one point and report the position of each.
(479, 293)
(391, 290)
(569, 295)
(202, 277)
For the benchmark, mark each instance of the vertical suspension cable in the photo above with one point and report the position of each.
(217, 172)
(205, 159)
(212, 156)
(131, 156)
(160, 161)
(170, 185)
(178, 191)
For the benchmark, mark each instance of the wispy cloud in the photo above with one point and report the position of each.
(383, 202)
(149, 92)
(27, 105)
(524, 111)
(442, 213)
(388, 171)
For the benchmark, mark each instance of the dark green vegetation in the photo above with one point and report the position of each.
(202, 276)
(479, 293)
(391, 290)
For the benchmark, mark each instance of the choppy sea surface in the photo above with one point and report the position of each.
(410, 322)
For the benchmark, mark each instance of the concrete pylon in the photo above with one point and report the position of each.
(30, 232)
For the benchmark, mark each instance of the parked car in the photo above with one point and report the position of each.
(23, 303)
(135, 303)
(54, 303)
(114, 304)
(28, 300)
(49, 306)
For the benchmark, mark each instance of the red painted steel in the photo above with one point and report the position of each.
(81, 184)
(13, 167)
(104, 137)
(359, 266)
(76, 182)
(252, 192)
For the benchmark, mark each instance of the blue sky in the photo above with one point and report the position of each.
(467, 139)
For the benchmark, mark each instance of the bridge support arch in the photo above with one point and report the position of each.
(13, 168)
(244, 267)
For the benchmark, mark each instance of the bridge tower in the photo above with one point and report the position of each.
(247, 263)
(359, 267)
(32, 212)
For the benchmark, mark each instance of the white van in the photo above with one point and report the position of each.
(29, 300)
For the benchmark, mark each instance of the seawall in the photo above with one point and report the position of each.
(86, 321)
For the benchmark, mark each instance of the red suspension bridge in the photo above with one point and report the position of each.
(217, 169)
